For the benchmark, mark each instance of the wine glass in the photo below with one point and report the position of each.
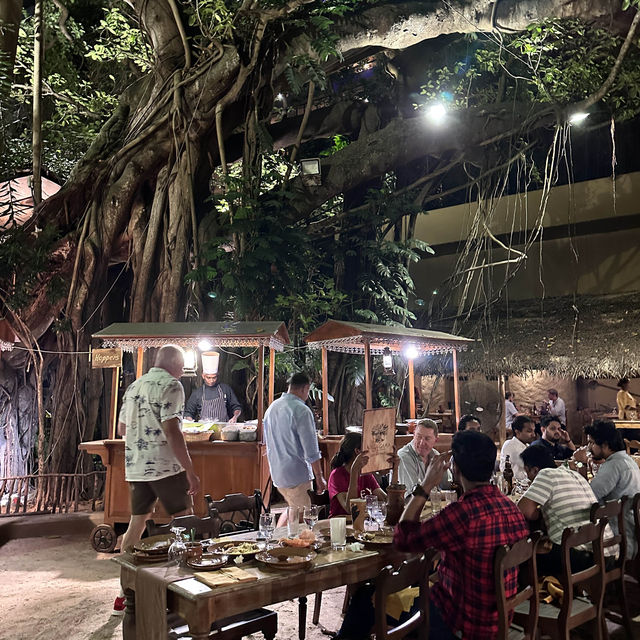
(310, 515)
(178, 549)
(380, 515)
(267, 526)
(372, 505)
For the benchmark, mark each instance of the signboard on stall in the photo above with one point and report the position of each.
(106, 358)
(378, 434)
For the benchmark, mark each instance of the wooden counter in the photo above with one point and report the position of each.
(223, 467)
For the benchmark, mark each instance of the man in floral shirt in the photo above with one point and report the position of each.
(157, 463)
(467, 532)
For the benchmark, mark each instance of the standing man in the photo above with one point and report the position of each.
(511, 411)
(555, 439)
(557, 408)
(292, 445)
(463, 601)
(157, 463)
(214, 401)
(524, 433)
(415, 456)
(617, 476)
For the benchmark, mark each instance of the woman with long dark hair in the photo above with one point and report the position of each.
(346, 481)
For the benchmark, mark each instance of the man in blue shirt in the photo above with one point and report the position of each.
(617, 476)
(292, 445)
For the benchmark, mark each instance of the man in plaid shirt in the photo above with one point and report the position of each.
(467, 532)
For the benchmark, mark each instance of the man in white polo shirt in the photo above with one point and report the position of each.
(524, 433)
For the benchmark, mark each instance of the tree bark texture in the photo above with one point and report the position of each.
(130, 199)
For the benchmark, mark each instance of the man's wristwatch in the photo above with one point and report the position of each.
(419, 492)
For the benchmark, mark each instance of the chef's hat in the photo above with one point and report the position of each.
(210, 361)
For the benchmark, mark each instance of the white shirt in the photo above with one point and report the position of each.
(513, 448)
(510, 412)
(148, 402)
(557, 409)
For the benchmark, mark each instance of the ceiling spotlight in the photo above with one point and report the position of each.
(578, 117)
(436, 113)
(411, 352)
(279, 97)
(204, 345)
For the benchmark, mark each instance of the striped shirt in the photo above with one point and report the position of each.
(565, 499)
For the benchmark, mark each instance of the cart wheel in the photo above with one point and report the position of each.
(103, 538)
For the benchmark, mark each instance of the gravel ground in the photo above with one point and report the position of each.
(58, 587)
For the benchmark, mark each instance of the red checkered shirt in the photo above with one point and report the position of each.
(468, 532)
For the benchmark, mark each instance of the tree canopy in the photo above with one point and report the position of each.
(178, 127)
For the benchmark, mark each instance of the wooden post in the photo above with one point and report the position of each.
(325, 392)
(502, 426)
(260, 390)
(272, 373)
(456, 388)
(113, 407)
(139, 362)
(367, 375)
(412, 392)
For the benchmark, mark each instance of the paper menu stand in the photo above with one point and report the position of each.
(378, 433)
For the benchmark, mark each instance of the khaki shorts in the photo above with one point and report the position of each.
(297, 496)
(171, 491)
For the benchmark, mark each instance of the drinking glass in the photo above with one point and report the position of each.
(449, 496)
(178, 549)
(267, 526)
(338, 531)
(380, 514)
(372, 505)
(310, 516)
(436, 500)
(293, 521)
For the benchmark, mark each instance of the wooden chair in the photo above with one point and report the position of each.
(204, 527)
(606, 512)
(525, 601)
(410, 573)
(576, 610)
(236, 512)
(633, 566)
(322, 501)
(631, 444)
(232, 628)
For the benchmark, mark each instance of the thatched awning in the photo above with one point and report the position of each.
(585, 336)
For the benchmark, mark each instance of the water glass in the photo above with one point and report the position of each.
(338, 531)
(293, 521)
(380, 514)
(449, 496)
(372, 505)
(178, 550)
(436, 500)
(310, 516)
(267, 526)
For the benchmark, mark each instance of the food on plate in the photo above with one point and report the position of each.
(307, 534)
(239, 549)
(304, 540)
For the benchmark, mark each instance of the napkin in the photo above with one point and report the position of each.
(226, 576)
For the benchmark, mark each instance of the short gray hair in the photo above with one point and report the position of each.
(428, 423)
(170, 356)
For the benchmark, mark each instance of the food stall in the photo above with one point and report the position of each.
(381, 340)
(223, 467)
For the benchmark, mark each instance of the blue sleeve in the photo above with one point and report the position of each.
(308, 436)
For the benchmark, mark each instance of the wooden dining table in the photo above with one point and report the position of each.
(153, 591)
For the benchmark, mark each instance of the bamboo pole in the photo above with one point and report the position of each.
(502, 428)
(456, 388)
(272, 374)
(260, 390)
(367, 375)
(412, 393)
(325, 392)
(36, 114)
(139, 362)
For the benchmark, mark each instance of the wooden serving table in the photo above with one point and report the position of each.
(223, 467)
(200, 606)
(627, 424)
